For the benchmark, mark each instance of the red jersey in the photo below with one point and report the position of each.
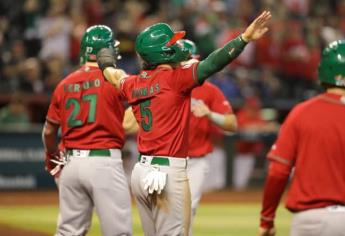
(89, 111)
(200, 142)
(160, 99)
(245, 119)
(312, 139)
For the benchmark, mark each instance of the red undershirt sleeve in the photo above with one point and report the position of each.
(276, 181)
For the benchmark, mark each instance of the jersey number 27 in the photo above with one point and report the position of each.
(72, 118)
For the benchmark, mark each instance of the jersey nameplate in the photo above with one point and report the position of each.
(75, 88)
(145, 91)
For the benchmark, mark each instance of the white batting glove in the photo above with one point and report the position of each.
(60, 161)
(155, 181)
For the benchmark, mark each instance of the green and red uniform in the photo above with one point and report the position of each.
(160, 100)
(89, 110)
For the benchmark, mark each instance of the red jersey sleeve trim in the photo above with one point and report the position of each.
(53, 121)
(279, 159)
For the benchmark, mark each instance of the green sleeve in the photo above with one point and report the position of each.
(219, 58)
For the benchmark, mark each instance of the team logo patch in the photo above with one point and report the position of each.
(231, 51)
(144, 75)
(339, 80)
(143, 159)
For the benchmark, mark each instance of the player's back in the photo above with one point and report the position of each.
(89, 110)
(320, 156)
(161, 103)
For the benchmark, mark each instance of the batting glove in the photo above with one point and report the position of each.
(55, 162)
(155, 181)
(106, 58)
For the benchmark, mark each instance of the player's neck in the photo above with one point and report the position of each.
(339, 91)
(168, 66)
(91, 64)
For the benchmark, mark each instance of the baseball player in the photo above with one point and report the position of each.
(208, 107)
(160, 97)
(90, 113)
(312, 143)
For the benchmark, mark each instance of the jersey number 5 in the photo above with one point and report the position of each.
(72, 119)
(146, 115)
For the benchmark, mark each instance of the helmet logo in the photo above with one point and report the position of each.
(89, 49)
(339, 80)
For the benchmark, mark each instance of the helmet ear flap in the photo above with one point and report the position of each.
(168, 53)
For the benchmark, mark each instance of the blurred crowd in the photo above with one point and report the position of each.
(40, 39)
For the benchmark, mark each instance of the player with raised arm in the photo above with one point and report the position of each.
(90, 113)
(311, 142)
(160, 97)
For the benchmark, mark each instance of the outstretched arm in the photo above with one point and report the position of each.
(221, 57)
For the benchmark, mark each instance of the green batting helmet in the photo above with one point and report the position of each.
(190, 45)
(332, 65)
(94, 39)
(157, 44)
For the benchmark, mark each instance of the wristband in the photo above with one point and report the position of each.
(243, 39)
(217, 118)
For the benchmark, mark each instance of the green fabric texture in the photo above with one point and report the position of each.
(218, 59)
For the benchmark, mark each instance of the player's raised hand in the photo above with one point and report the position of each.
(257, 28)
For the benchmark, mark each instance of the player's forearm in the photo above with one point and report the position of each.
(114, 76)
(274, 188)
(226, 122)
(129, 123)
(49, 135)
(221, 57)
